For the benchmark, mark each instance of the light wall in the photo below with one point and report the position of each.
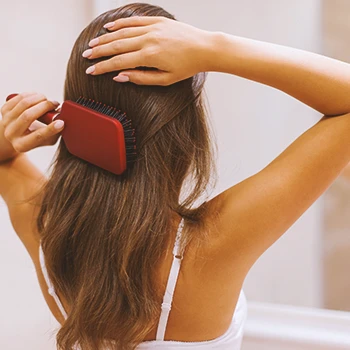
(253, 124)
(336, 247)
(37, 37)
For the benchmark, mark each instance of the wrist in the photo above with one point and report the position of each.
(7, 152)
(214, 56)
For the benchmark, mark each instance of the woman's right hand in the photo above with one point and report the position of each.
(176, 49)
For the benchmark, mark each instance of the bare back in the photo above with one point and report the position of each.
(205, 297)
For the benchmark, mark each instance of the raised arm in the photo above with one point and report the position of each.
(179, 51)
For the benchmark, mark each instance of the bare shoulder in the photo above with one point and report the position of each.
(254, 213)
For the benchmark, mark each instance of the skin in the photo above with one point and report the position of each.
(254, 213)
(346, 173)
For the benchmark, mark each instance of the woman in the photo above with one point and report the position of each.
(107, 241)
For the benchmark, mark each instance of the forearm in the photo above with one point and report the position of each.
(6, 150)
(320, 82)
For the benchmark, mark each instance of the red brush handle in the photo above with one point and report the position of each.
(46, 118)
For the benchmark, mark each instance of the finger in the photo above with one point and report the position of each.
(40, 137)
(145, 77)
(25, 120)
(116, 63)
(120, 34)
(36, 125)
(115, 48)
(52, 140)
(25, 103)
(10, 104)
(134, 21)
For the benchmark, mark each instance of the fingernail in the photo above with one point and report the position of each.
(94, 42)
(109, 25)
(56, 103)
(87, 53)
(121, 78)
(90, 70)
(59, 124)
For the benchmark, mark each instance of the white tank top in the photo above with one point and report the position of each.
(230, 340)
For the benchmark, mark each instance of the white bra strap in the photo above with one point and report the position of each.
(172, 279)
(51, 288)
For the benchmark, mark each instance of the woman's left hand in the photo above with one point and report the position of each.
(20, 114)
(177, 50)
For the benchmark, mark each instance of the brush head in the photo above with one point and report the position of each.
(98, 134)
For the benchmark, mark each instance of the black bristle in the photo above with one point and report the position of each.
(129, 131)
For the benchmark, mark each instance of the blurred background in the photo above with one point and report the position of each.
(253, 123)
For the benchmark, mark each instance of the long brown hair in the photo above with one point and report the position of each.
(102, 234)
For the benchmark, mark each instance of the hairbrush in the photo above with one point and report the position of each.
(96, 133)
